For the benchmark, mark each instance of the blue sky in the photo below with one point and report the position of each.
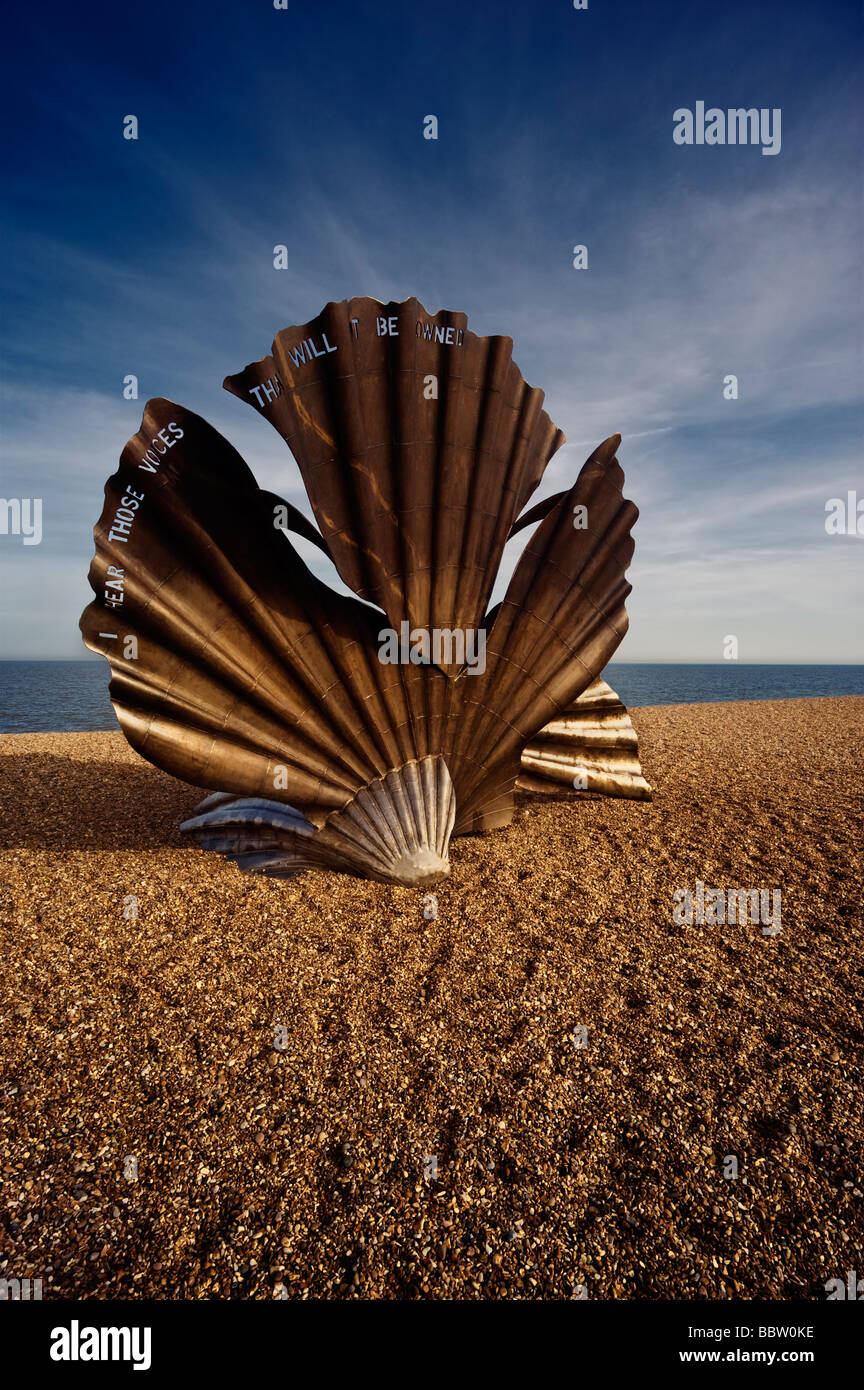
(304, 127)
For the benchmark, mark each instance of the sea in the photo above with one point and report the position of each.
(72, 696)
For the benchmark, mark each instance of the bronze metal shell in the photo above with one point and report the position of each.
(592, 743)
(234, 667)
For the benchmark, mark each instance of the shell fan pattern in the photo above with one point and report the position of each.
(234, 667)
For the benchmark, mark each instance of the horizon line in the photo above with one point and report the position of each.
(94, 660)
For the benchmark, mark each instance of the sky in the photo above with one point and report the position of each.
(304, 127)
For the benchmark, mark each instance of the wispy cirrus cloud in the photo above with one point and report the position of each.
(155, 258)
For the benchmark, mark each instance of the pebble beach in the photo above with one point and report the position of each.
(214, 1086)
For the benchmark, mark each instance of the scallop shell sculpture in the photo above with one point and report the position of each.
(362, 733)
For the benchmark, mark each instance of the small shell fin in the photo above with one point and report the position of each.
(593, 741)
